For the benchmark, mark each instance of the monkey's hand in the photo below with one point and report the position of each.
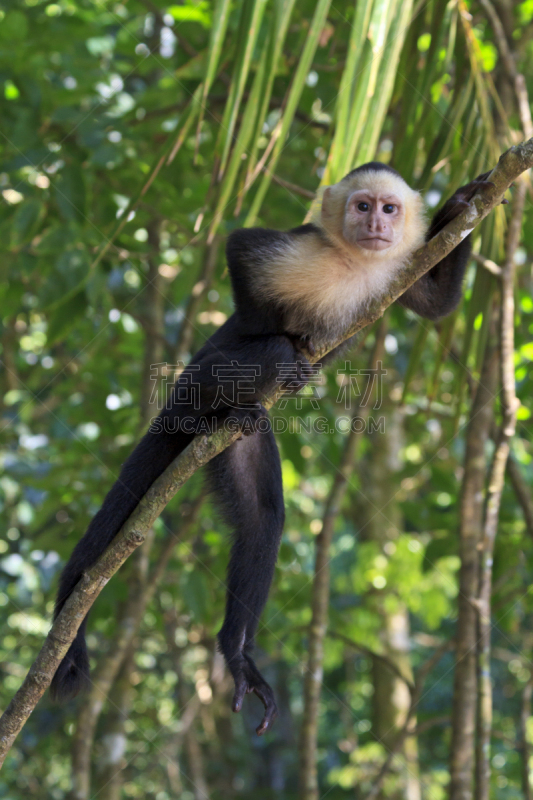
(248, 679)
(466, 193)
(460, 200)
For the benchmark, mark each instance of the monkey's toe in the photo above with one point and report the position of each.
(466, 193)
(271, 709)
(248, 679)
(484, 184)
(307, 344)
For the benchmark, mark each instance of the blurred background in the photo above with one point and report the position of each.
(134, 137)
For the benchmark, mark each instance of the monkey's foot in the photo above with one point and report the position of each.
(248, 679)
(304, 344)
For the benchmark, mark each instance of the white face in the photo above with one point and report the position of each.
(373, 220)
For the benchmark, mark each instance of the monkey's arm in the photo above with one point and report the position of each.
(438, 293)
(248, 252)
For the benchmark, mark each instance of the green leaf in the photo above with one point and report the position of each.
(26, 221)
(191, 13)
(194, 68)
(57, 239)
(69, 189)
(14, 26)
(66, 317)
(71, 270)
(252, 16)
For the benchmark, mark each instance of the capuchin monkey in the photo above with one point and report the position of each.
(294, 291)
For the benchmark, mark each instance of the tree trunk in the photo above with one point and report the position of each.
(470, 534)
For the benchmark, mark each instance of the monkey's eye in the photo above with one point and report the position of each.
(388, 208)
(363, 206)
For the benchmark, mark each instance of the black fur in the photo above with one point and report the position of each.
(245, 478)
(373, 166)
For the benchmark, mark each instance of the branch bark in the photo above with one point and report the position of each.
(511, 164)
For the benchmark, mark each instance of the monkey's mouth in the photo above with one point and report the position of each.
(374, 243)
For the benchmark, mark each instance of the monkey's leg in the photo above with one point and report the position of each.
(246, 479)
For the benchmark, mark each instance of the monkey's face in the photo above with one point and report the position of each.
(373, 220)
(375, 214)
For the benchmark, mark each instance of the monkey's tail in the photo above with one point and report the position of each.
(150, 458)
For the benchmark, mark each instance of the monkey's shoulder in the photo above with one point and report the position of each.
(308, 229)
(244, 242)
(256, 245)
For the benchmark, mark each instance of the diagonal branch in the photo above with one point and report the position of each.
(522, 492)
(132, 534)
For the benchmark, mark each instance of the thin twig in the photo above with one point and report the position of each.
(522, 492)
(489, 265)
(293, 187)
(387, 662)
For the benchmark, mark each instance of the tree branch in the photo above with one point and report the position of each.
(496, 482)
(522, 492)
(132, 534)
(367, 651)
